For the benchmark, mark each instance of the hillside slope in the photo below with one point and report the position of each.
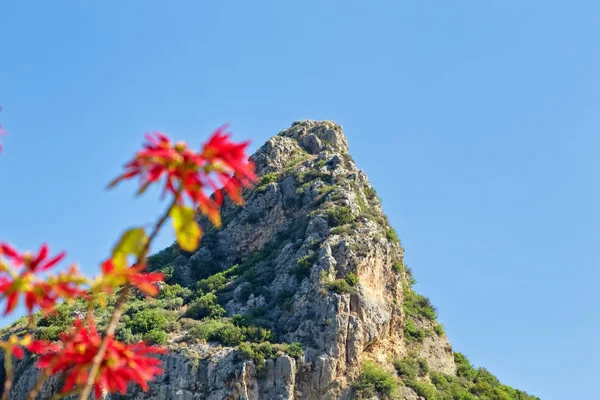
(302, 294)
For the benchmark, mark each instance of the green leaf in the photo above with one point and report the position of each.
(186, 228)
(132, 243)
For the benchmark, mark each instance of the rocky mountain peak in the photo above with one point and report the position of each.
(302, 294)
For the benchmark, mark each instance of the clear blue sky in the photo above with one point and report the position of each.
(478, 122)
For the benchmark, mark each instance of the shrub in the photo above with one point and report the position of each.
(294, 350)
(50, 333)
(342, 230)
(228, 334)
(464, 367)
(412, 333)
(340, 286)
(340, 215)
(171, 304)
(375, 381)
(174, 291)
(266, 180)
(406, 367)
(212, 283)
(147, 320)
(205, 306)
(217, 330)
(370, 193)
(352, 279)
(392, 236)
(439, 329)
(304, 265)
(155, 337)
(397, 267)
(417, 305)
(249, 351)
(125, 335)
(409, 368)
(450, 388)
(425, 390)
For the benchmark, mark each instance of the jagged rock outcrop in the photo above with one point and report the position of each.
(316, 262)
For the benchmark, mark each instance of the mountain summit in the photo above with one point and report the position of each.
(302, 294)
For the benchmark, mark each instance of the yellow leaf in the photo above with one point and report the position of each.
(132, 243)
(186, 228)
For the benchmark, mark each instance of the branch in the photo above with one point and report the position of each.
(9, 374)
(118, 311)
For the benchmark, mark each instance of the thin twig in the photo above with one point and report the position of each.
(38, 385)
(112, 325)
(9, 374)
(59, 396)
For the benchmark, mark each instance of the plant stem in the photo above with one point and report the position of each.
(59, 396)
(38, 385)
(118, 311)
(9, 374)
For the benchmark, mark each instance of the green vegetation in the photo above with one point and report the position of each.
(416, 305)
(464, 367)
(265, 181)
(156, 337)
(227, 333)
(147, 320)
(370, 193)
(340, 286)
(361, 203)
(397, 267)
(423, 389)
(304, 265)
(258, 352)
(339, 215)
(375, 381)
(52, 325)
(206, 306)
(439, 329)
(392, 236)
(470, 384)
(352, 279)
(175, 291)
(343, 230)
(410, 367)
(412, 333)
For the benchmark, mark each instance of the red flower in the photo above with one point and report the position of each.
(114, 276)
(14, 345)
(189, 173)
(121, 365)
(37, 292)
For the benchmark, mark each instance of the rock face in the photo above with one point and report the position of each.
(323, 267)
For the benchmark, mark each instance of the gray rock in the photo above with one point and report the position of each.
(337, 330)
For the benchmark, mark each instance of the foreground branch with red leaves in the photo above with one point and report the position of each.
(90, 360)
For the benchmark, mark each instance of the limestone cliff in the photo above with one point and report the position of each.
(310, 258)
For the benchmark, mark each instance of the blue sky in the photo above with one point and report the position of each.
(476, 121)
